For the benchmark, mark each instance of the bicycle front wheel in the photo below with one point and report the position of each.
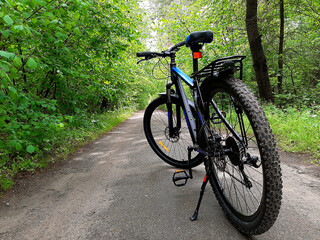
(172, 149)
(245, 174)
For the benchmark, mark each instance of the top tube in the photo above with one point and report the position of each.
(183, 76)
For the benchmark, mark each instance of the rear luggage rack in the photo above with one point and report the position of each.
(222, 64)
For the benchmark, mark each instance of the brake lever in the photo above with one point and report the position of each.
(145, 59)
(141, 61)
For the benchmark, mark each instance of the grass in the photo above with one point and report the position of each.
(296, 130)
(79, 130)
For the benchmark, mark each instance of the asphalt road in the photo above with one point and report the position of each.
(117, 188)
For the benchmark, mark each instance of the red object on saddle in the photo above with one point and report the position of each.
(197, 55)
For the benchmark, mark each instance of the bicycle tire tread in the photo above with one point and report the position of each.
(271, 164)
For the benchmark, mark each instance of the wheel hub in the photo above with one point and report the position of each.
(236, 153)
(175, 136)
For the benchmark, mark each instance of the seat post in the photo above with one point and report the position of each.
(196, 54)
(195, 64)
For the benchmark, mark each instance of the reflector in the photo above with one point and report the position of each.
(197, 55)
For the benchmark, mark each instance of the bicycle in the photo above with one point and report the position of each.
(224, 127)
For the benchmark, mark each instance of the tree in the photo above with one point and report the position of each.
(258, 56)
(281, 42)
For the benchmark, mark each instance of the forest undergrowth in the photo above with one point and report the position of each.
(58, 142)
(296, 130)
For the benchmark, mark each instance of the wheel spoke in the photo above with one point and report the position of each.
(173, 148)
(240, 196)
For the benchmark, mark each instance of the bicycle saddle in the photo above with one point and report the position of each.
(199, 37)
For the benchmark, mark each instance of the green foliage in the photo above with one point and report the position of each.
(297, 130)
(74, 52)
(301, 50)
(25, 122)
(61, 63)
(57, 140)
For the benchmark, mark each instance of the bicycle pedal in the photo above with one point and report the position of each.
(180, 178)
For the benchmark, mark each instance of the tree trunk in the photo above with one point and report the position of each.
(281, 39)
(258, 56)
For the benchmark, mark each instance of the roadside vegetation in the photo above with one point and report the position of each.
(296, 130)
(67, 74)
(68, 69)
(56, 142)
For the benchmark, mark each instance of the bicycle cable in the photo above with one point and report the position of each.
(160, 66)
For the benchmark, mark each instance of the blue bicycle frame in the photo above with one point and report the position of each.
(176, 76)
(226, 64)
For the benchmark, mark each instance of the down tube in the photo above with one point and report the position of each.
(176, 73)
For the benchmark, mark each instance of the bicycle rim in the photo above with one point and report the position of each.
(172, 150)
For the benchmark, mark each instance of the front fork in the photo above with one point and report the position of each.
(171, 112)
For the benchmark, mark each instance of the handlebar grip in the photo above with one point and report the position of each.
(144, 54)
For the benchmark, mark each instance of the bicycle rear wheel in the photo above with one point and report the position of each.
(246, 178)
(173, 150)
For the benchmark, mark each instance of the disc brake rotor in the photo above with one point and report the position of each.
(175, 137)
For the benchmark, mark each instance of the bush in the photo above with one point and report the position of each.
(297, 130)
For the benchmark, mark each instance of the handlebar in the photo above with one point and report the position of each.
(165, 53)
(195, 41)
(149, 55)
(176, 47)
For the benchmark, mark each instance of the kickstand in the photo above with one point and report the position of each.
(195, 214)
